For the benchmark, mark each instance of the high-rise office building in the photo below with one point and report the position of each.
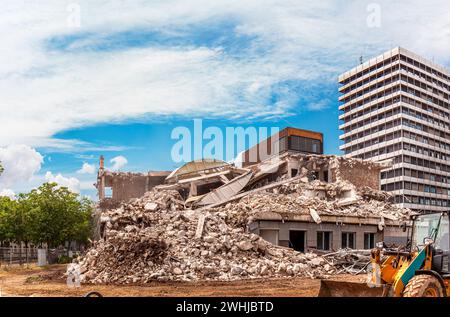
(397, 107)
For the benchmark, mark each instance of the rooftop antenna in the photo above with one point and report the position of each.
(361, 57)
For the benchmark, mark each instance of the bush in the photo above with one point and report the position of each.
(64, 259)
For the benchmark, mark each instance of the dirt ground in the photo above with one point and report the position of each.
(49, 281)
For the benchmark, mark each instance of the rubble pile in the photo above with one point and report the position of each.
(348, 260)
(133, 213)
(297, 197)
(143, 244)
(158, 238)
(368, 193)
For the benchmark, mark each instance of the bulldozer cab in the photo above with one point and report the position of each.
(433, 228)
(421, 268)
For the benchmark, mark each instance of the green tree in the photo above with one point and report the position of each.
(15, 222)
(21, 220)
(58, 215)
(49, 214)
(7, 208)
(1, 168)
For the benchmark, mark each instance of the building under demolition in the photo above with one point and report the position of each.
(115, 188)
(306, 202)
(288, 140)
(211, 220)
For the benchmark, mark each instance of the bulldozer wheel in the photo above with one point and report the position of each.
(423, 286)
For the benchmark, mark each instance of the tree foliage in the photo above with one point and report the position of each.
(7, 209)
(49, 214)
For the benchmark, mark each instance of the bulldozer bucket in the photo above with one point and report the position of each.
(330, 288)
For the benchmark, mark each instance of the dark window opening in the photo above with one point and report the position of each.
(348, 240)
(294, 172)
(323, 240)
(303, 144)
(369, 240)
(206, 188)
(325, 176)
(297, 240)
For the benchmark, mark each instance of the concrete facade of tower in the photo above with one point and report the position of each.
(397, 107)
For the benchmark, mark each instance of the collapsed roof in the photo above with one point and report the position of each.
(210, 182)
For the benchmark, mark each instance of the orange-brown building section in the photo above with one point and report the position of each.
(254, 151)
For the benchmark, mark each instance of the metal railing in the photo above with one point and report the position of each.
(16, 255)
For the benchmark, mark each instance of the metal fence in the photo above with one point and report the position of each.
(16, 255)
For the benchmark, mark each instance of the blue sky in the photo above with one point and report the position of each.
(90, 78)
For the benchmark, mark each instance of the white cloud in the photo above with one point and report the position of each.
(85, 156)
(20, 162)
(72, 183)
(52, 91)
(319, 105)
(87, 185)
(7, 193)
(118, 162)
(87, 169)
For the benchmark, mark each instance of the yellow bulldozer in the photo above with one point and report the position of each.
(418, 269)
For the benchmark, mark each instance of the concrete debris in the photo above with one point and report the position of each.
(159, 238)
(348, 260)
(226, 191)
(141, 245)
(200, 226)
(205, 182)
(381, 224)
(315, 215)
(295, 198)
(368, 193)
(151, 206)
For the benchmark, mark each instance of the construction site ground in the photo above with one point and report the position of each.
(49, 281)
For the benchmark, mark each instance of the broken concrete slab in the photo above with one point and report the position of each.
(151, 206)
(156, 237)
(141, 245)
(315, 215)
(226, 191)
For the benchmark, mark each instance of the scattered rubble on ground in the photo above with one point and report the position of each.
(143, 245)
(155, 238)
(348, 260)
(162, 237)
(295, 198)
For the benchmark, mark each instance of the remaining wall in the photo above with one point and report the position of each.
(312, 228)
(128, 186)
(359, 173)
(125, 186)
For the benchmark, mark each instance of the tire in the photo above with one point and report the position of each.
(93, 294)
(423, 286)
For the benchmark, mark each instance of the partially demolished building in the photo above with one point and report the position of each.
(124, 186)
(306, 202)
(213, 221)
(289, 140)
